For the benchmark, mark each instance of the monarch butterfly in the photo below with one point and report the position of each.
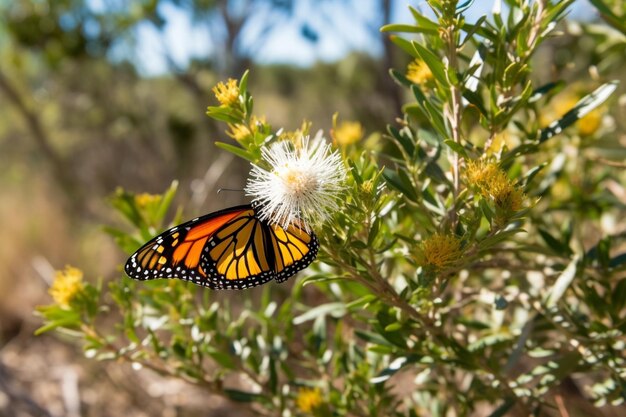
(228, 249)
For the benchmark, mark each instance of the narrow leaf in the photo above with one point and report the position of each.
(562, 283)
(240, 152)
(580, 110)
(433, 62)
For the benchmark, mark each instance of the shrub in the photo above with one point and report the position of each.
(467, 269)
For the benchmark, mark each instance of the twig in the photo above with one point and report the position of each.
(561, 405)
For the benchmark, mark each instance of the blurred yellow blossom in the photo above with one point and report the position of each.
(227, 94)
(66, 285)
(145, 199)
(418, 72)
(308, 399)
(241, 131)
(347, 133)
(296, 136)
(439, 251)
(238, 131)
(588, 125)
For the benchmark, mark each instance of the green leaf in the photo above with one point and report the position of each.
(424, 22)
(584, 106)
(124, 202)
(397, 180)
(403, 140)
(240, 152)
(481, 344)
(334, 309)
(460, 8)
(243, 82)
(456, 147)
(556, 245)
(433, 114)
(618, 297)
(393, 367)
(362, 302)
(491, 241)
(372, 337)
(434, 171)
(243, 396)
(562, 283)
(607, 14)
(127, 243)
(405, 45)
(400, 78)
(166, 201)
(618, 260)
(473, 28)
(429, 137)
(373, 233)
(545, 89)
(398, 27)
(222, 359)
(476, 100)
(558, 10)
(224, 114)
(433, 61)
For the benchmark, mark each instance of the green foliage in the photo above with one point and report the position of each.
(458, 274)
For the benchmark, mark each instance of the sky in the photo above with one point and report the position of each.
(286, 44)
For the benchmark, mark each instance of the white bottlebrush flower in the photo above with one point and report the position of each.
(303, 182)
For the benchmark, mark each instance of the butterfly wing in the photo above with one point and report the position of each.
(249, 252)
(229, 249)
(294, 249)
(239, 255)
(177, 252)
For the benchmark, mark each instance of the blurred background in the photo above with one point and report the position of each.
(100, 94)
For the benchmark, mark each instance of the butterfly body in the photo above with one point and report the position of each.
(229, 249)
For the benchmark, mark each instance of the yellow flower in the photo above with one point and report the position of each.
(418, 72)
(492, 182)
(66, 285)
(238, 131)
(507, 197)
(483, 175)
(309, 399)
(144, 199)
(227, 94)
(241, 131)
(347, 133)
(295, 136)
(439, 251)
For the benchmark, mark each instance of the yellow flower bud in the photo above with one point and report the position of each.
(308, 399)
(66, 285)
(227, 94)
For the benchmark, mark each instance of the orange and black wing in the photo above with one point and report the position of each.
(177, 252)
(239, 255)
(248, 252)
(229, 249)
(294, 249)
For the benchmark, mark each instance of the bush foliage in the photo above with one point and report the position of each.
(477, 263)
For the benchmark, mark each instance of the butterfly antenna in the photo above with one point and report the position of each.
(219, 190)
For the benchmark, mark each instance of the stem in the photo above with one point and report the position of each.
(453, 113)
